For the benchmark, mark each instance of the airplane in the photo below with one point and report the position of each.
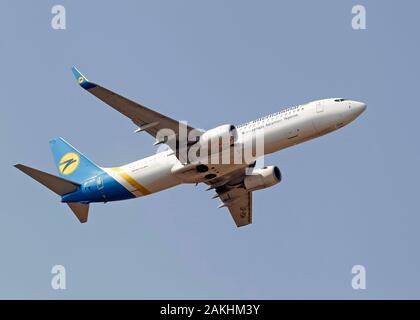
(81, 181)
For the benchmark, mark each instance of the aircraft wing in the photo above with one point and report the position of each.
(147, 119)
(239, 203)
(230, 190)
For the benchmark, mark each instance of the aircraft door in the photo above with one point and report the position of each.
(319, 107)
(100, 185)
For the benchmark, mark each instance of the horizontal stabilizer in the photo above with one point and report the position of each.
(81, 210)
(59, 185)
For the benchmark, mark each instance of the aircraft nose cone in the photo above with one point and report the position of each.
(359, 107)
(362, 107)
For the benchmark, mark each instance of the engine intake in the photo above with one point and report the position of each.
(262, 178)
(219, 138)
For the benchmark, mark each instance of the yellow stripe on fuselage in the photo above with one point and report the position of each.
(131, 181)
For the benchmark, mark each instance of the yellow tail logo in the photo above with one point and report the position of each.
(68, 163)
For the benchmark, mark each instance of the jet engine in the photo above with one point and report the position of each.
(262, 178)
(219, 138)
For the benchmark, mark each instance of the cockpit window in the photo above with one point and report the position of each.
(340, 100)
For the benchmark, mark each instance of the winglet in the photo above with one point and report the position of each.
(82, 80)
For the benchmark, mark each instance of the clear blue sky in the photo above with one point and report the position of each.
(348, 198)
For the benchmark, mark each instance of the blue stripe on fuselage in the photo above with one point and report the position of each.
(101, 188)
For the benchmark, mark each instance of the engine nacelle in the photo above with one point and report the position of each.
(262, 178)
(219, 138)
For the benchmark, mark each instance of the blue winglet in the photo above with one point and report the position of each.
(83, 81)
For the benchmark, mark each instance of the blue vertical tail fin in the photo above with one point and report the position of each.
(71, 163)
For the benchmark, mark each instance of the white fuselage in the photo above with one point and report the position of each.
(281, 130)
